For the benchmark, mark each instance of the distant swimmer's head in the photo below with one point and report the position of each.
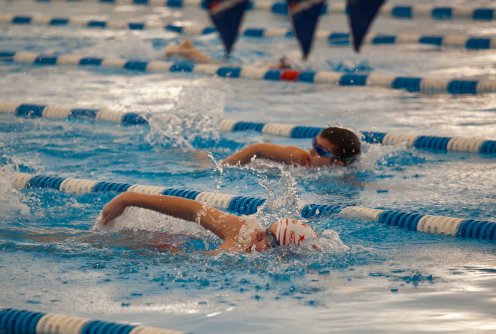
(283, 232)
(334, 146)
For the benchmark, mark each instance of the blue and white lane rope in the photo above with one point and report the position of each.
(465, 228)
(344, 39)
(433, 143)
(410, 84)
(333, 38)
(408, 11)
(280, 8)
(58, 21)
(28, 110)
(15, 321)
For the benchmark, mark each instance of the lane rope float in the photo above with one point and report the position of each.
(439, 144)
(405, 11)
(427, 85)
(15, 321)
(334, 38)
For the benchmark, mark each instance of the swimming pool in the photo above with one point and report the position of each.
(370, 277)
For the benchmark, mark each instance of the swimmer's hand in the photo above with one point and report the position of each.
(113, 209)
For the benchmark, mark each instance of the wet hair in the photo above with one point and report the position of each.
(347, 143)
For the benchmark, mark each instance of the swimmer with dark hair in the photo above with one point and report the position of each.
(239, 234)
(188, 51)
(333, 146)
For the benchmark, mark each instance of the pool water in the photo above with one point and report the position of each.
(367, 277)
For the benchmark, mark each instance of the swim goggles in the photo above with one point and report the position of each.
(270, 239)
(322, 151)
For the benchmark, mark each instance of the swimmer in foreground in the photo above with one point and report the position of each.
(239, 234)
(333, 146)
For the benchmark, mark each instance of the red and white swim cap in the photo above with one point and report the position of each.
(293, 231)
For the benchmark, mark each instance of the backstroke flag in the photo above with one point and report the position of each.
(227, 16)
(305, 15)
(361, 13)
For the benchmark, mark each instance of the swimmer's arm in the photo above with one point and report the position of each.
(188, 51)
(202, 58)
(224, 225)
(279, 153)
(197, 57)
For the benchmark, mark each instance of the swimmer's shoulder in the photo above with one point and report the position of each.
(298, 155)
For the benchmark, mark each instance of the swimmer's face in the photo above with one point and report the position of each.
(259, 239)
(318, 161)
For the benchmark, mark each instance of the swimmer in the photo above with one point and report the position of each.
(189, 52)
(334, 146)
(239, 234)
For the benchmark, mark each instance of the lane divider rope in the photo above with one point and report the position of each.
(428, 85)
(333, 38)
(59, 21)
(464, 228)
(408, 11)
(280, 8)
(15, 321)
(336, 38)
(29, 110)
(433, 143)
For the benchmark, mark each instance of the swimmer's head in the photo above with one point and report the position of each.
(334, 146)
(283, 232)
(290, 231)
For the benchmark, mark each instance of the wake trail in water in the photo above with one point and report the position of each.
(12, 200)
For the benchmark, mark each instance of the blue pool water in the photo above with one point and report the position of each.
(368, 277)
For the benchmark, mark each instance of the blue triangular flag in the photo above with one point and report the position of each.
(227, 16)
(305, 15)
(361, 13)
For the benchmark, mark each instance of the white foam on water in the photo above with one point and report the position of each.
(12, 200)
(137, 219)
(328, 241)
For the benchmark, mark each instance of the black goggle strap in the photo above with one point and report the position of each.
(271, 239)
(321, 151)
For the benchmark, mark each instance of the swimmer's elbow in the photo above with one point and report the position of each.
(253, 149)
(243, 156)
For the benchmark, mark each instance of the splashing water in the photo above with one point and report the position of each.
(282, 200)
(194, 118)
(137, 219)
(328, 241)
(11, 199)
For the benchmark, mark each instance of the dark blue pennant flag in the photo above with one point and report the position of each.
(227, 16)
(361, 13)
(305, 15)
